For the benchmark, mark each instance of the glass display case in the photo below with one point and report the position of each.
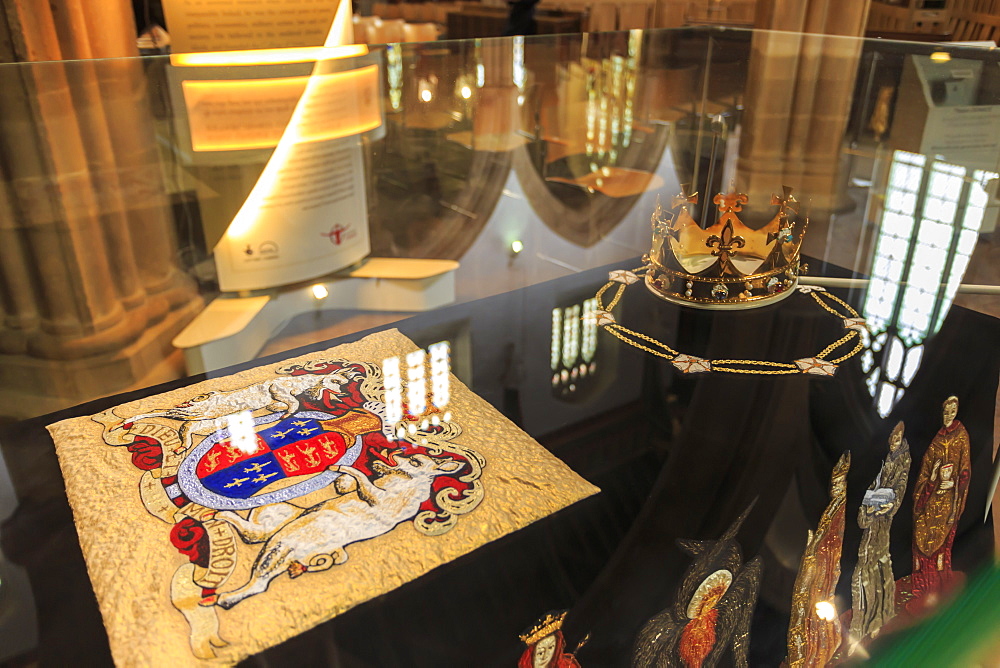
(471, 243)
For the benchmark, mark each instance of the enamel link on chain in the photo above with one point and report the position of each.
(818, 365)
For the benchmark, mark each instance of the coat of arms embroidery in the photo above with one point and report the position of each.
(299, 466)
(223, 518)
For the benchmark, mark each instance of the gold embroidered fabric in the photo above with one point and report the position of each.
(945, 470)
(223, 518)
(814, 631)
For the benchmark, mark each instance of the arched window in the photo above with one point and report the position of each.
(929, 227)
(573, 358)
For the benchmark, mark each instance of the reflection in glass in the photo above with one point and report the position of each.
(588, 345)
(556, 344)
(394, 73)
(438, 358)
(393, 390)
(571, 336)
(520, 73)
(930, 224)
(440, 354)
(573, 349)
(416, 385)
(241, 430)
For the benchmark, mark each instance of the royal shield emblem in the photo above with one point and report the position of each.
(282, 461)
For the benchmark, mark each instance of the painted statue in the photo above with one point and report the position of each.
(711, 612)
(873, 587)
(545, 644)
(814, 632)
(939, 497)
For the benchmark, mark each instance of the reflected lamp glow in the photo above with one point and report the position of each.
(826, 611)
(440, 356)
(393, 383)
(252, 113)
(267, 56)
(241, 432)
(416, 383)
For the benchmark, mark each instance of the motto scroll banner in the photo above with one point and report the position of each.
(220, 519)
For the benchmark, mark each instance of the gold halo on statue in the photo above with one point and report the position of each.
(721, 578)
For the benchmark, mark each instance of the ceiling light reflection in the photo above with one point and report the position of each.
(267, 56)
(826, 611)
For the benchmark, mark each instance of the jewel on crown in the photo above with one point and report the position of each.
(725, 265)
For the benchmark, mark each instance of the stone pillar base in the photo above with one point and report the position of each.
(30, 386)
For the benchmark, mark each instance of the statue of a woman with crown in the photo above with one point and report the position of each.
(545, 645)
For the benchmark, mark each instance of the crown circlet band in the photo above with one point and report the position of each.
(724, 264)
(685, 288)
(824, 363)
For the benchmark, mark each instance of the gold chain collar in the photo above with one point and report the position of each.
(819, 365)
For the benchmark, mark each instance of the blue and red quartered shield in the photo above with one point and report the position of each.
(236, 472)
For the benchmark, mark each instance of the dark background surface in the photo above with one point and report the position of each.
(675, 457)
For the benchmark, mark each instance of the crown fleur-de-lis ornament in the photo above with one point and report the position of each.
(724, 245)
(725, 242)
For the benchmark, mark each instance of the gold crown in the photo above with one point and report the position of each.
(548, 625)
(727, 265)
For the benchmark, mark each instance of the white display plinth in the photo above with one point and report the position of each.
(232, 329)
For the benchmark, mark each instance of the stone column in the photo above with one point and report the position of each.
(91, 296)
(17, 289)
(798, 100)
(123, 86)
